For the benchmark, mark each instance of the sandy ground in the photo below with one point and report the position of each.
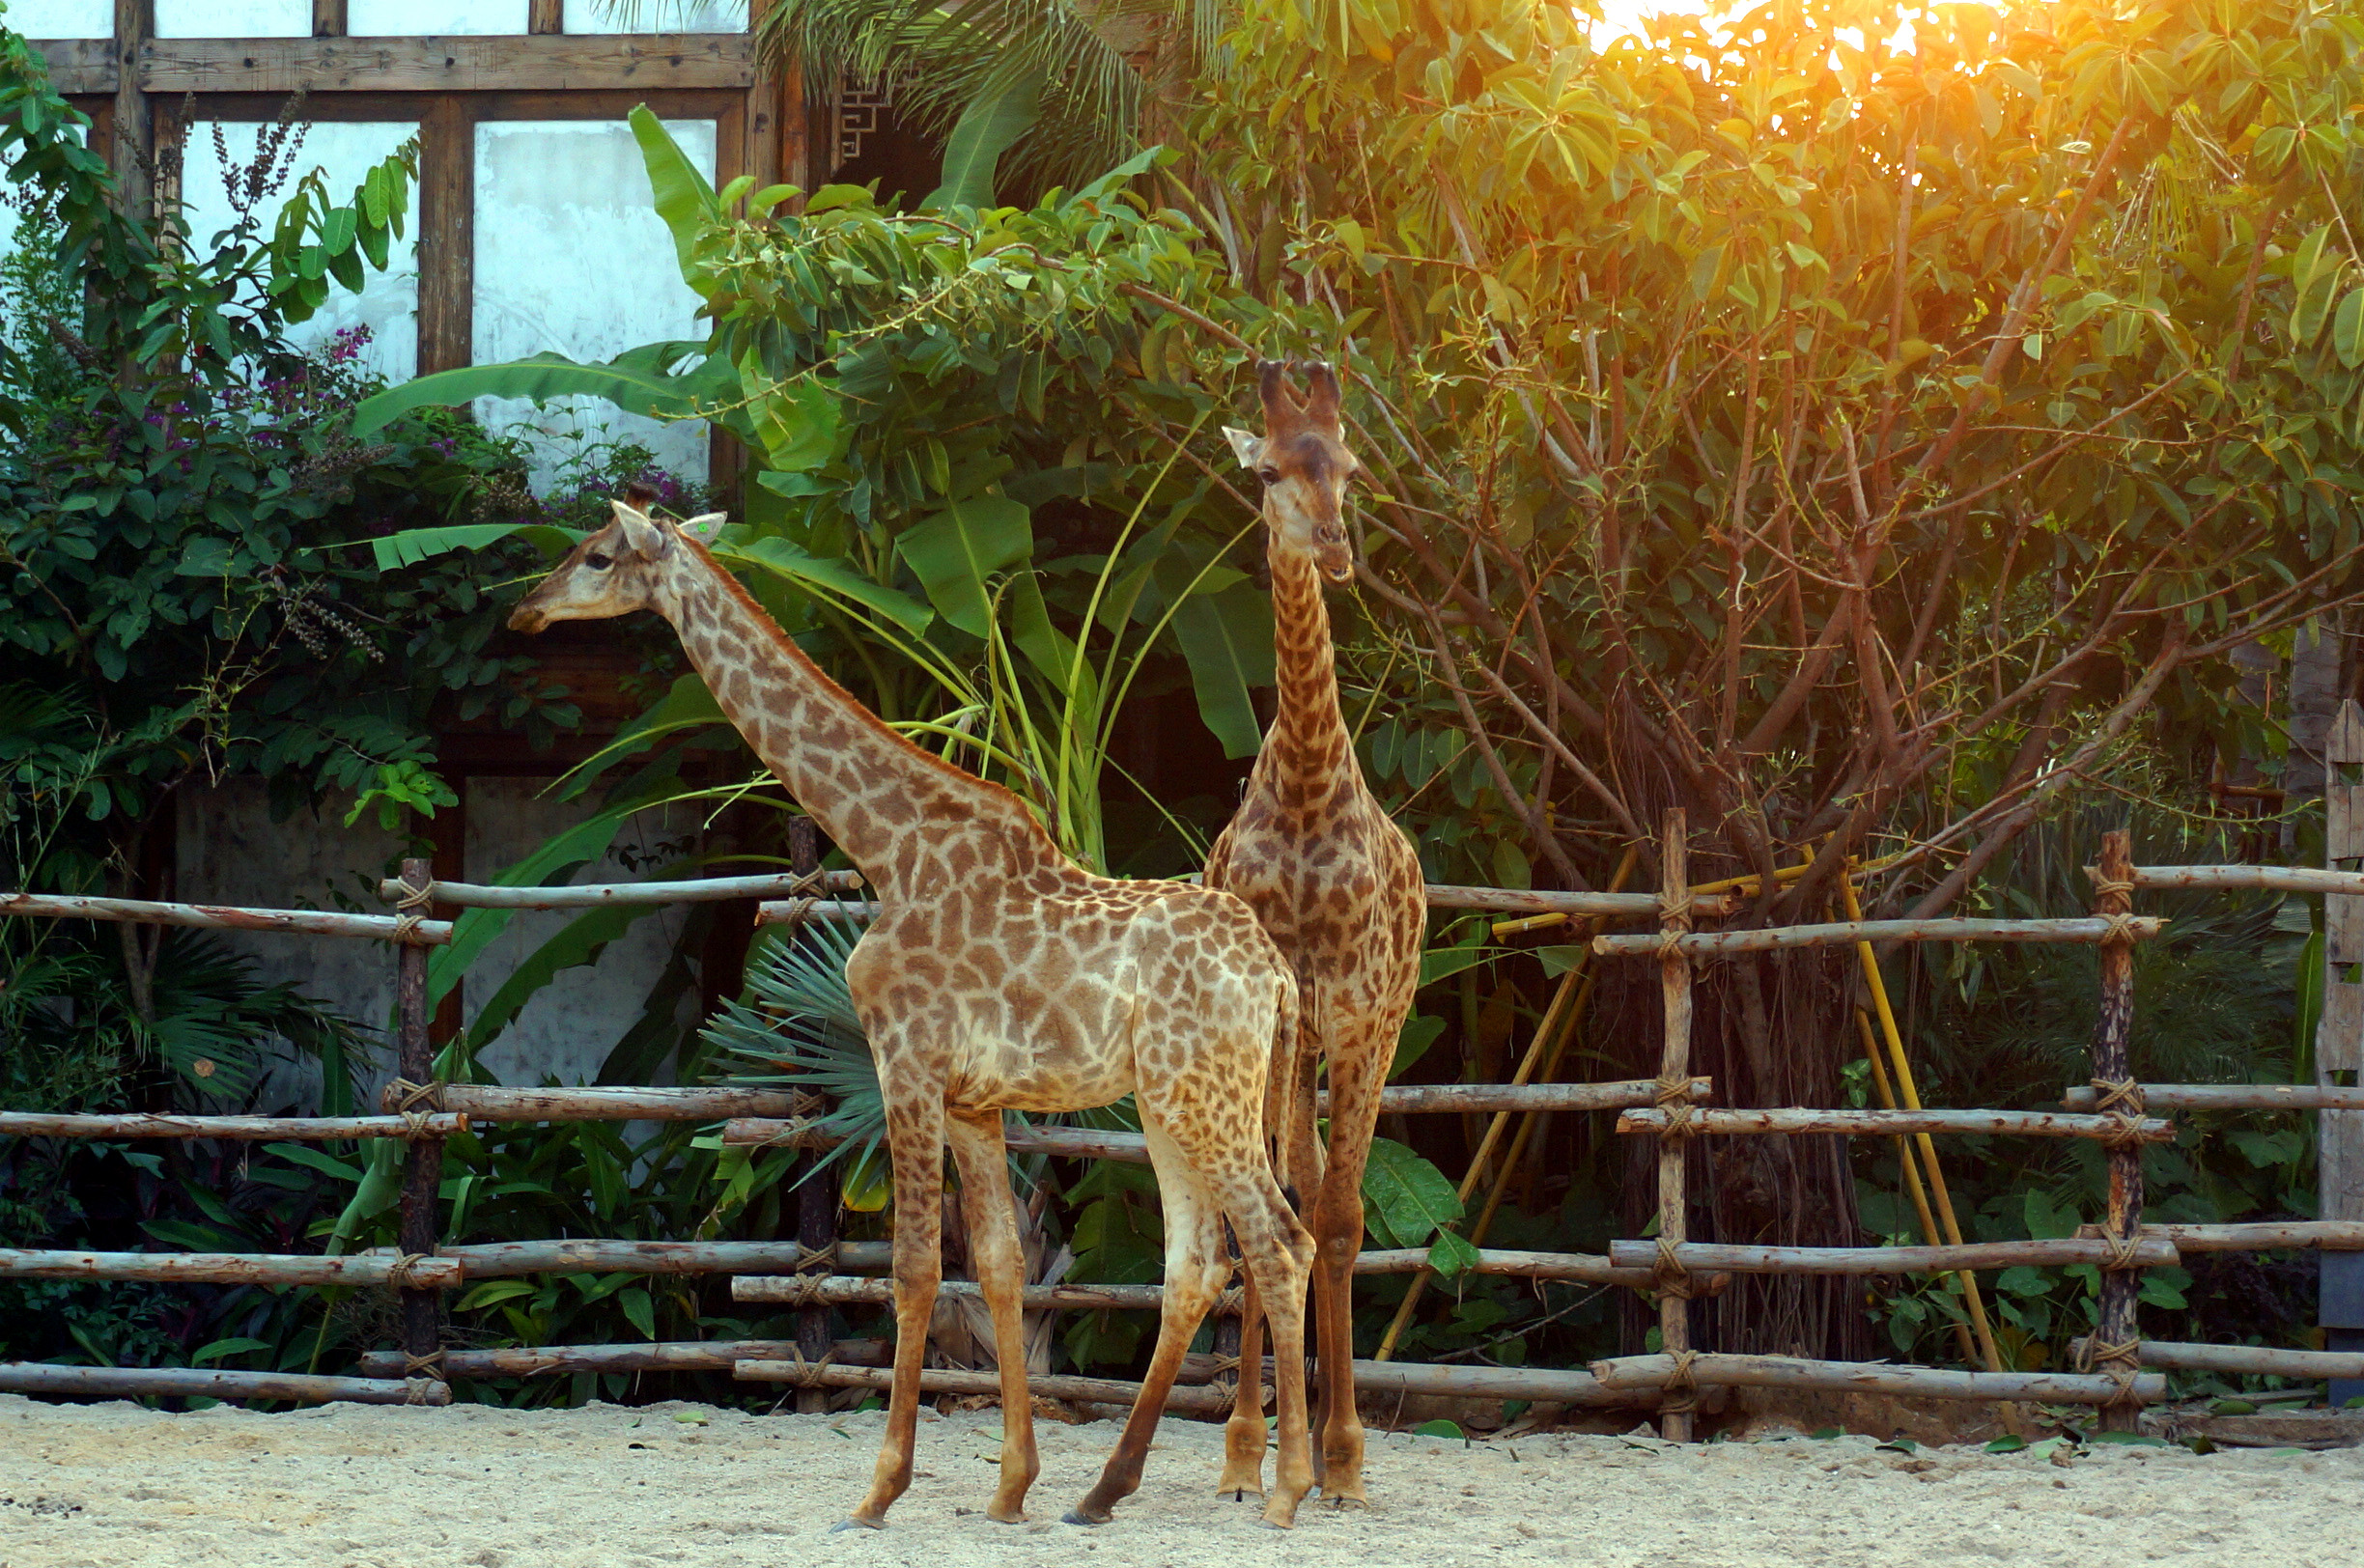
(471, 1487)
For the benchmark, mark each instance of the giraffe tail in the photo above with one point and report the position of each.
(1289, 1094)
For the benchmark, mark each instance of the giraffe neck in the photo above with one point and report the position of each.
(1307, 749)
(887, 805)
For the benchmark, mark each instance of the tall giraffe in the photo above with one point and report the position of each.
(1338, 886)
(1000, 976)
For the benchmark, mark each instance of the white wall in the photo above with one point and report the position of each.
(232, 853)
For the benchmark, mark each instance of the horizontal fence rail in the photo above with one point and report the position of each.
(2170, 1355)
(187, 1382)
(492, 1103)
(1893, 1123)
(1846, 933)
(229, 917)
(2146, 1252)
(2231, 1097)
(27, 1123)
(1873, 1376)
(590, 895)
(2262, 1236)
(230, 1269)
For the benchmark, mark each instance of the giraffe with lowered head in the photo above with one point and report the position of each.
(1338, 886)
(1000, 976)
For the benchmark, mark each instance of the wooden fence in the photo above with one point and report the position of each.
(816, 1272)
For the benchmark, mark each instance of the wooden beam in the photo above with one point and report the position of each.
(84, 66)
(493, 1102)
(446, 236)
(328, 19)
(2260, 1360)
(544, 18)
(443, 64)
(2231, 1097)
(134, 154)
(661, 1356)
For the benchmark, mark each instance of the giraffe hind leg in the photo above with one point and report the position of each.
(994, 1248)
(1195, 1272)
(1244, 1434)
(915, 1134)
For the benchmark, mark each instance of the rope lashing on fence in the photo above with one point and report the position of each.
(2121, 1100)
(429, 1365)
(421, 1390)
(400, 1278)
(1672, 1094)
(809, 1258)
(1680, 1395)
(403, 1096)
(1672, 1277)
(411, 909)
(1675, 917)
(801, 895)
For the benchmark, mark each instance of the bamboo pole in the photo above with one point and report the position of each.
(1863, 1377)
(1674, 1143)
(2150, 1252)
(245, 1129)
(662, 1356)
(1546, 1030)
(422, 1309)
(1783, 939)
(1543, 901)
(1908, 1163)
(2255, 1359)
(227, 918)
(708, 890)
(185, 1381)
(2116, 1340)
(2231, 1097)
(494, 1104)
(1908, 1093)
(843, 1290)
(2043, 1124)
(227, 1267)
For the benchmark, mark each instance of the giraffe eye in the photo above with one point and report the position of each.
(597, 562)
(1269, 474)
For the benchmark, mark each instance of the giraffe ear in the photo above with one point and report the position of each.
(1246, 445)
(648, 538)
(706, 527)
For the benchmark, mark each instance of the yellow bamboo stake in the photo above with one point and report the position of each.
(1907, 1162)
(1910, 1094)
(1552, 1034)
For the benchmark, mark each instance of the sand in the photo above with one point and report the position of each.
(473, 1487)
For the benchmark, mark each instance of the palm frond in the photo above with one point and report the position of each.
(943, 59)
(801, 1031)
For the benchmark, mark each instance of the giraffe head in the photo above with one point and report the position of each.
(1304, 463)
(614, 572)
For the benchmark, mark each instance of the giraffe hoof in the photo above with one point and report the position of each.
(1077, 1516)
(845, 1524)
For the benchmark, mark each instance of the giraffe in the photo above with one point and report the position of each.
(1339, 884)
(1000, 976)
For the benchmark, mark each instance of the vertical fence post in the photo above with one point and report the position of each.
(817, 1193)
(2339, 1041)
(2117, 1343)
(1673, 1092)
(422, 1310)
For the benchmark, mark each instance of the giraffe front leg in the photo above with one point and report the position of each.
(1336, 1223)
(1245, 1433)
(915, 1131)
(994, 1248)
